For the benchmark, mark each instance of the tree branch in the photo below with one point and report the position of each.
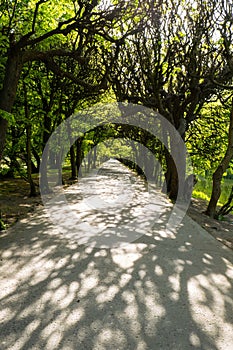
(51, 65)
(32, 55)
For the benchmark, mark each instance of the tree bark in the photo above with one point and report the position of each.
(37, 158)
(3, 131)
(171, 177)
(72, 149)
(228, 206)
(72, 163)
(29, 162)
(44, 184)
(8, 93)
(28, 145)
(79, 156)
(218, 174)
(94, 157)
(89, 160)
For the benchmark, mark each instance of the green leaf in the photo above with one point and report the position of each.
(8, 116)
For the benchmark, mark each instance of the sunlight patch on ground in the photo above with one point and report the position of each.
(205, 299)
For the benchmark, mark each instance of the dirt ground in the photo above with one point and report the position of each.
(221, 230)
(16, 204)
(14, 200)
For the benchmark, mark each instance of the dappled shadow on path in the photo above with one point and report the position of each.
(108, 208)
(162, 291)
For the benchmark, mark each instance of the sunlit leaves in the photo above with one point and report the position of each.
(207, 136)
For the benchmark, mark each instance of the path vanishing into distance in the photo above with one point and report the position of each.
(99, 270)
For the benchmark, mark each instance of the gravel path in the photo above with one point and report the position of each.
(69, 288)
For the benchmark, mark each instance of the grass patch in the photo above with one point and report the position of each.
(203, 189)
(200, 195)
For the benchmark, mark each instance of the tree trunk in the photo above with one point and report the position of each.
(94, 157)
(3, 131)
(59, 158)
(28, 145)
(46, 128)
(72, 163)
(89, 160)
(37, 158)
(44, 184)
(79, 157)
(8, 93)
(171, 177)
(72, 150)
(175, 174)
(29, 162)
(228, 206)
(218, 174)
(172, 180)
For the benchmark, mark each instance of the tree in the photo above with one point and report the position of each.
(37, 31)
(206, 133)
(28, 144)
(218, 174)
(176, 64)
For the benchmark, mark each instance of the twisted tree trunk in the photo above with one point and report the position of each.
(228, 206)
(8, 93)
(218, 174)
